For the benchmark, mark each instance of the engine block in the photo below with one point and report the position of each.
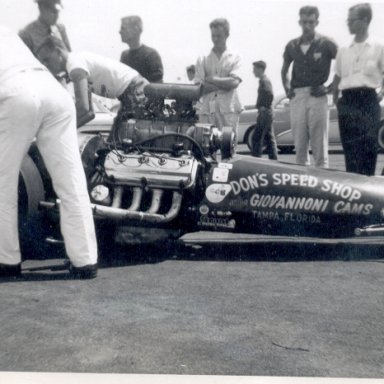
(150, 170)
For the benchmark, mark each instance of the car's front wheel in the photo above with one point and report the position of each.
(248, 137)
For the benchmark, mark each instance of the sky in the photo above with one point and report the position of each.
(179, 29)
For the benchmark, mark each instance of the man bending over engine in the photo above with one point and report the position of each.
(88, 71)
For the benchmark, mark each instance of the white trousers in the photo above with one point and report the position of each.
(309, 122)
(33, 104)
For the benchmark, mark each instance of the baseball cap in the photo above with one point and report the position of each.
(55, 4)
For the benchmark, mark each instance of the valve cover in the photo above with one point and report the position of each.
(160, 171)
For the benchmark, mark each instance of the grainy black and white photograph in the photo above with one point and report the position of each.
(191, 191)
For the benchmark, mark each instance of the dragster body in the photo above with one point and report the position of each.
(159, 174)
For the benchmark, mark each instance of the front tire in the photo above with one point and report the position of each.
(34, 225)
(31, 188)
(248, 137)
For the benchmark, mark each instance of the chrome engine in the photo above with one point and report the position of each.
(162, 171)
(144, 187)
(150, 162)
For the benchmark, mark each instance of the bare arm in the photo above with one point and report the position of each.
(380, 94)
(335, 88)
(284, 78)
(83, 108)
(156, 68)
(208, 88)
(214, 83)
(224, 83)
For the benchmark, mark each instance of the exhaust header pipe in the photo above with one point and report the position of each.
(102, 211)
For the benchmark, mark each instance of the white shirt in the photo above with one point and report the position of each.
(360, 65)
(15, 57)
(227, 66)
(107, 77)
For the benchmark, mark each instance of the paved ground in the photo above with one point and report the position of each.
(219, 309)
(233, 310)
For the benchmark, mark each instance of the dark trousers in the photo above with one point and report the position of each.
(264, 135)
(359, 121)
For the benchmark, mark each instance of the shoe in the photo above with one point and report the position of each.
(8, 270)
(83, 273)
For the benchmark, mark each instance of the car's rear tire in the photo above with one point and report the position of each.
(228, 143)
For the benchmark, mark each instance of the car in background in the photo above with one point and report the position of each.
(284, 137)
(282, 127)
(248, 117)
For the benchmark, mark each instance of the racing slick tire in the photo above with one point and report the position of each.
(228, 143)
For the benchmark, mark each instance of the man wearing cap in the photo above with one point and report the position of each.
(263, 132)
(143, 59)
(35, 106)
(35, 33)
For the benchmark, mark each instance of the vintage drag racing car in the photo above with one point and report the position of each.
(158, 174)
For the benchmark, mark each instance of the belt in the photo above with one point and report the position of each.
(360, 90)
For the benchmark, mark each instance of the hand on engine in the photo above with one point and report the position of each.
(138, 84)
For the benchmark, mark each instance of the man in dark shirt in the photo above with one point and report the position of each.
(263, 133)
(143, 59)
(35, 33)
(311, 55)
